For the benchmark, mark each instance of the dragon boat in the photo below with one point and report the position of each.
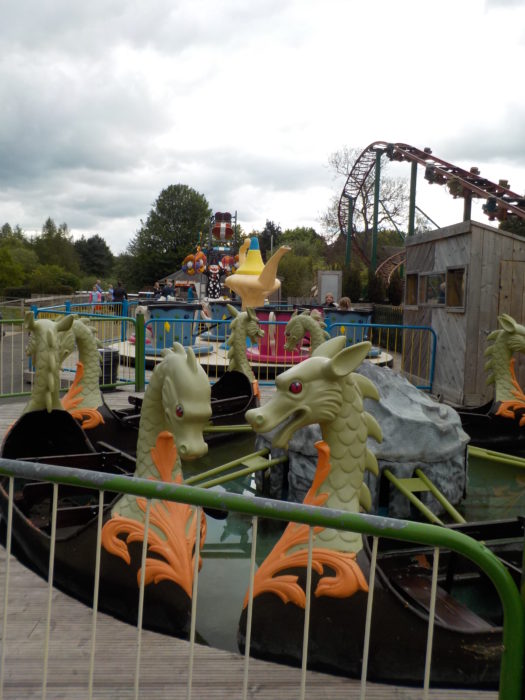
(499, 424)
(467, 629)
(235, 392)
(89, 424)
(324, 389)
(176, 409)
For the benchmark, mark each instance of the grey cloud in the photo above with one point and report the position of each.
(240, 168)
(500, 140)
(166, 25)
(503, 3)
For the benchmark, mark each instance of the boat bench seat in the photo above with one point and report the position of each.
(449, 611)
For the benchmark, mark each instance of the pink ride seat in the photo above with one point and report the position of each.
(270, 347)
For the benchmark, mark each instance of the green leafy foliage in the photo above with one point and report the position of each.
(376, 288)
(53, 278)
(11, 272)
(55, 246)
(352, 284)
(297, 275)
(395, 289)
(171, 231)
(514, 225)
(95, 255)
(306, 242)
(269, 239)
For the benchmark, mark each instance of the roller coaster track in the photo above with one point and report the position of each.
(501, 202)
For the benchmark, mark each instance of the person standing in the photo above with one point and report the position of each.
(329, 300)
(167, 290)
(119, 293)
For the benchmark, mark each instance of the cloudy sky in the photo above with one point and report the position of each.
(105, 103)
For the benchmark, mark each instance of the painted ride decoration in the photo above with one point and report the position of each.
(176, 409)
(271, 347)
(307, 327)
(500, 425)
(324, 389)
(254, 281)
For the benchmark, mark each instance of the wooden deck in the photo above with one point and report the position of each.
(217, 675)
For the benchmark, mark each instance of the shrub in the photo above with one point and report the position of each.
(17, 292)
(376, 288)
(395, 289)
(352, 286)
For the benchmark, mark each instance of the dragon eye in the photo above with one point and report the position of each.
(296, 387)
(179, 411)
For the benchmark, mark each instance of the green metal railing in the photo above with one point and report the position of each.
(511, 670)
(418, 359)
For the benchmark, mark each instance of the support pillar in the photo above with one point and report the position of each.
(377, 189)
(412, 202)
(348, 256)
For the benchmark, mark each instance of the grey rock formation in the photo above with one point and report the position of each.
(417, 432)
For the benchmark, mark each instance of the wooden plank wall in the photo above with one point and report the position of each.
(450, 326)
(491, 289)
(419, 258)
(512, 292)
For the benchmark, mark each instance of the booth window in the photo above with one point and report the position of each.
(456, 287)
(411, 290)
(432, 289)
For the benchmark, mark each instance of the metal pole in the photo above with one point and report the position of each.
(348, 255)
(412, 202)
(377, 187)
(140, 353)
(467, 207)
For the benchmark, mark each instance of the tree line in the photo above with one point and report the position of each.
(178, 221)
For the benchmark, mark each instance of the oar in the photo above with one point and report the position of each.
(242, 472)
(224, 467)
(254, 462)
(242, 428)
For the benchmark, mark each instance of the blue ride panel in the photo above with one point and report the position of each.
(174, 322)
(337, 321)
(219, 332)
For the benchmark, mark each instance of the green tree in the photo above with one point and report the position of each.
(395, 289)
(122, 270)
(352, 284)
(269, 239)
(305, 241)
(10, 235)
(514, 225)
(170, 232)
(15, 247)
(376, 288)
(55, 246)
(11, 272)
(95, 255)
(297, 275)
(25, 257)
(53, 278)
(394, 197)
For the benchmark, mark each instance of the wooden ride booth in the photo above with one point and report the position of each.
(459, 279)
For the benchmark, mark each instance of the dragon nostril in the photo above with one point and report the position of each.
(183, 449)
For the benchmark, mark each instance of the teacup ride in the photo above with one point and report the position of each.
(218, 326)
(173, 321)
(270, 348)
(353, 324)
